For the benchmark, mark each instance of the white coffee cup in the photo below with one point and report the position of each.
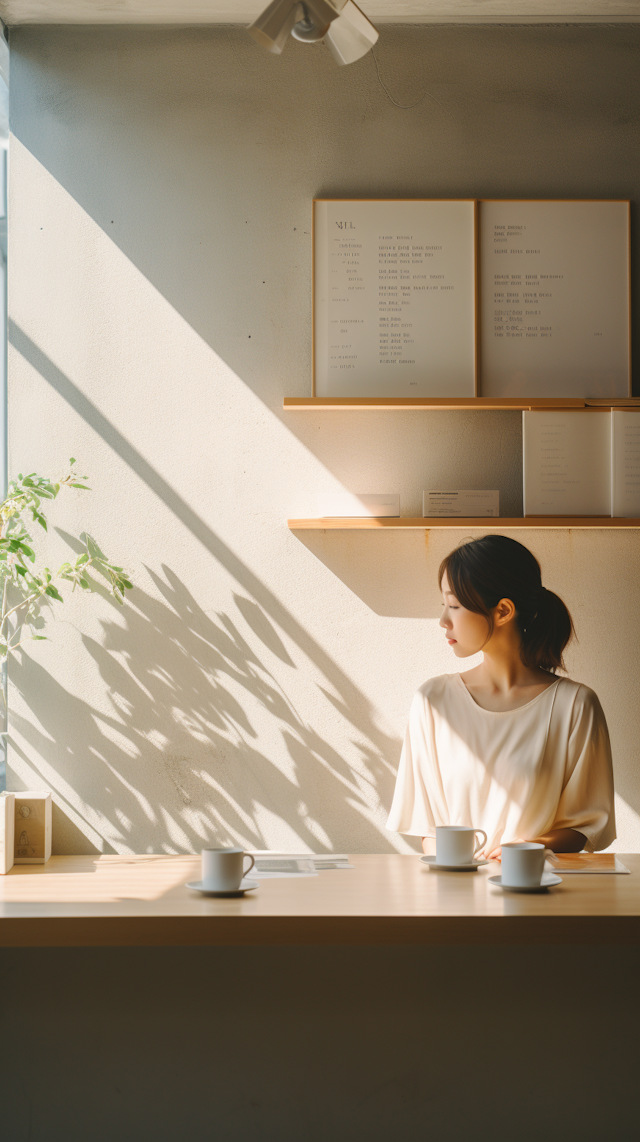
(223, 869)
(456, 844)
(523, 863)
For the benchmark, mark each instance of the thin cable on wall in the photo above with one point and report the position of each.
(401, 106)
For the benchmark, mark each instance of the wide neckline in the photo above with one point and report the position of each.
(516, 709)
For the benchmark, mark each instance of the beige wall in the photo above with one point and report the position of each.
(257, 684)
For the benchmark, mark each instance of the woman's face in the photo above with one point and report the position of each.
(466, 631)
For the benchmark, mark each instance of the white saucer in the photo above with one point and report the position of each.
(245, 886)
(432, 862)
(548, 881)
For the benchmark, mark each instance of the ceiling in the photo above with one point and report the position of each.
(244, 11)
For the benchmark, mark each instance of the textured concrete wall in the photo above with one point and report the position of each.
(257, 684)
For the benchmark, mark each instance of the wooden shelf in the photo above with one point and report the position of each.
(488, 404)
(498, 523)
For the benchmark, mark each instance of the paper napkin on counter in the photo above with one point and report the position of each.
(586, 862)
(270, 864)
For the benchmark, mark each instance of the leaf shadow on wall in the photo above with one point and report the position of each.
(211, 781)
(191, 678)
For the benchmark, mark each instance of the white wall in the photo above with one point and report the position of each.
(257, 683)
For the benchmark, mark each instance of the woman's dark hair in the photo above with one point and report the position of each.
(483, 571)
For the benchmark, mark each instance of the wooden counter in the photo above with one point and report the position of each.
(106, 901)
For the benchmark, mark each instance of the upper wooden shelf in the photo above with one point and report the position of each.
(499, 523)
(314, 404)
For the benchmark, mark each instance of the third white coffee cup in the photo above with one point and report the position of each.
(223, 869)
(523, 864)
(456, 844)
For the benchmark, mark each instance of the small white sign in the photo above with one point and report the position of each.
(335, 504)
(7, 810)
(465, 504)
(32, 828)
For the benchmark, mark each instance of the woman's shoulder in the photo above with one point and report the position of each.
(577, 691)
(577, 694)
(435, 688)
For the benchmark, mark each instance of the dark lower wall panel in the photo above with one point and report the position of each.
(311, 1045)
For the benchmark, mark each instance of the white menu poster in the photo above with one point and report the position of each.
(567, 463)
(554, 290)
(625, 464)
(394, 298)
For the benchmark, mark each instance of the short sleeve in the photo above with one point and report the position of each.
(587, 803)
(411, 810)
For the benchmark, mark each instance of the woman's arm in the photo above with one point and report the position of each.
(558, 840)
(562, 840)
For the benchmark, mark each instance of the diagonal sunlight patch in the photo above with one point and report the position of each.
(205, 670)
(109, 331)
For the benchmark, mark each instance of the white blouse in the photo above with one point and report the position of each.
(515, 774)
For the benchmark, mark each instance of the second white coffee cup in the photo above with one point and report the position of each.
(456, 844)
(523, 864)
(223, 869)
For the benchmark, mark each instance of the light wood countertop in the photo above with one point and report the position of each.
(386, 899)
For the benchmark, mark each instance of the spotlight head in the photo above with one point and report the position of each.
(351, 36)
(309, 32)
(312, 16)
(272, 26)
(340, 23)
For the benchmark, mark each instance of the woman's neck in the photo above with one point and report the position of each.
(502, 681)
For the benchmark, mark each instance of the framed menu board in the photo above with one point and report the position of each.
(554, 299)
(399, 285)
(394, 297)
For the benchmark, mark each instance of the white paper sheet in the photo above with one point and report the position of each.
(336, 505)
(554, 299)
(625, 464)
(611, 865)
(394, 297)
(567, 463)
(269, 865)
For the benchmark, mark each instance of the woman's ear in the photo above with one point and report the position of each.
(504, 613)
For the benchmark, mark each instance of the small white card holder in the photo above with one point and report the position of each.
(32, 827)
(7, 818)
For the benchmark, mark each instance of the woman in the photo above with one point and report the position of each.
(508, 747)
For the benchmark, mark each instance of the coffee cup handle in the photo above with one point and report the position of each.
(246, 870)
(482, 843)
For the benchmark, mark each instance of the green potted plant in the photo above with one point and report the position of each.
(24, 589)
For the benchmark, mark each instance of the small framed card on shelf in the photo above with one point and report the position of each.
(469, 503)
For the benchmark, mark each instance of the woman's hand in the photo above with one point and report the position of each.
(496, 854)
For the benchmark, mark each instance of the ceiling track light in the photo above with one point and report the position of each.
(339, 23)
(307, 30)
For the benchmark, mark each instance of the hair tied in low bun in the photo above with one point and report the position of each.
(496, 567)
